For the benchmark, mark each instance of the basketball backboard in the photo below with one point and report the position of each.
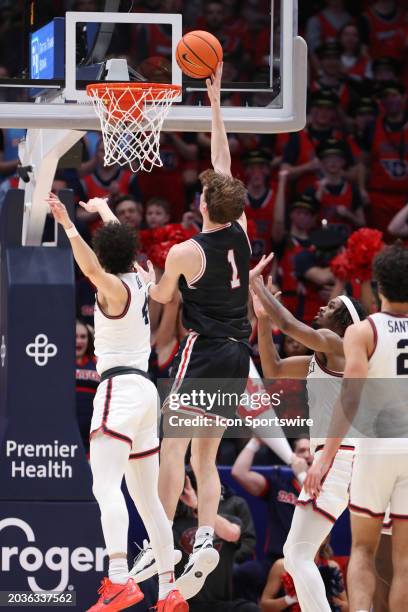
(265, 62)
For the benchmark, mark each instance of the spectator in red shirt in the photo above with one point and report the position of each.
(312, 269)
(384, 30)
(339, 199)
(287, 244)
(386, 156)
(331, 75)
(260, 201)
(354, 58)
(325, 26)
(363, 114)
(299, 156)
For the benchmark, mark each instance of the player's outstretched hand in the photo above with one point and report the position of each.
(94, 205)
(148, 275)
(58, 210)
(260, 266)
(259, 309)
(313, 482)
(214, 85)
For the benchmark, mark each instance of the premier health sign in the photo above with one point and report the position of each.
(47, 51)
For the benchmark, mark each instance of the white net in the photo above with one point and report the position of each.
(131, 117)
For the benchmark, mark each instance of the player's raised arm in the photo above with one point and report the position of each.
(322, 340)
(107, 284)
(220, 152)
(272, 365)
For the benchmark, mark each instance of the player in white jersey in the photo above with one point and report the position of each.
(312, 521)
(376, 350)
(124, 438)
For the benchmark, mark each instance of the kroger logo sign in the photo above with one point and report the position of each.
(58, 559)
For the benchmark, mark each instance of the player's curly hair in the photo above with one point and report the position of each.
(342, 317)
(391, 272)
(115, 246)
(224, 196)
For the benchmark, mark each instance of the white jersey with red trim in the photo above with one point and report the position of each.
(384, 400)
(323, 389)
(124, 340)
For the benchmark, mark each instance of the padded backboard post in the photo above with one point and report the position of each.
(41, 149)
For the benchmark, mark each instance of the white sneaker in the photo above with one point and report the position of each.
(200, 564)
(144, 565)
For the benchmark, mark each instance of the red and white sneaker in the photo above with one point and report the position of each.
(174, 602)
(114, 597)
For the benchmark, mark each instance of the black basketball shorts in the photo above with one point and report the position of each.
(208, 376)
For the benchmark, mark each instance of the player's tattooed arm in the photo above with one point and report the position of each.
(321, 341)
(272, 364)
(109, 287)
(100, 206)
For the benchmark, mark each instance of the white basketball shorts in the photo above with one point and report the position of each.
(126, 408)
(334, 496)
(379, 480)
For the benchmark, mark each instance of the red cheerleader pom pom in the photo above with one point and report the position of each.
(362, 246)
(288, 585)
(158, 253)
(340, 266)
(159, 241)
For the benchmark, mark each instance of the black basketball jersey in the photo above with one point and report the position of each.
(215, 301)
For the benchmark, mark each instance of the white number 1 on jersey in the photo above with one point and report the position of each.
(235, 282)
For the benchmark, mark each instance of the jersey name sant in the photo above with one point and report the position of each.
(383, 408)
(215, 301)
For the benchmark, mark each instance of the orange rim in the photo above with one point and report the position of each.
(125, 94)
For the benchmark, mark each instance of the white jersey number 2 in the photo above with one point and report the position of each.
(235, 282)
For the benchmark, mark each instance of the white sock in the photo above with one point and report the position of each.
(166, 584)
(118, 570)
(203, 534)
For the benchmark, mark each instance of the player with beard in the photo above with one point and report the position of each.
(312, 520)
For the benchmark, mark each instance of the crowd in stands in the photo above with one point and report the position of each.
(307, 191)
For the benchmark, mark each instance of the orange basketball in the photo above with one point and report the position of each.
(198, 54)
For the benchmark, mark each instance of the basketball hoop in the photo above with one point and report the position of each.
(131, 116)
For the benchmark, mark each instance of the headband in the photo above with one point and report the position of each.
(351, 308)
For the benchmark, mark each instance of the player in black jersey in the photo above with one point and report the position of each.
(211, 270)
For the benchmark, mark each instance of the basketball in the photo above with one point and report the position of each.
(198, 54)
